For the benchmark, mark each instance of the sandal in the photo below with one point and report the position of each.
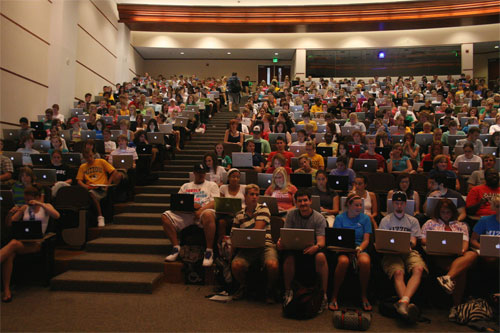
(333, 306)
(7, 299)
(367, 306)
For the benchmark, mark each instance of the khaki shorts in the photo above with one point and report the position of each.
(182, 220)
(261, 255)
(394, 262)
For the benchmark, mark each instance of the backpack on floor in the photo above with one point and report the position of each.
(192, 257)
(473, 310)
(305, 303)
(352, 319)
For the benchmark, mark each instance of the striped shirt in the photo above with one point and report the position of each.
(245, 221)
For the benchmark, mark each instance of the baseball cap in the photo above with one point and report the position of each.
(256, 129)
(200, 168)
(399, 196)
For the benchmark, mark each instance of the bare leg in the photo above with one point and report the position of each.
(288, 271)
(414, 281)
(272, 267)
(339, 275)
(7, 266)
(239, 271)
(208, 221)
(11, 248)
(399, 283)
(322, 269)
(364, 275)
(169, 229)
(462, 263)
(96, 204)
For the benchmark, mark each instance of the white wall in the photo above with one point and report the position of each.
(481, 64)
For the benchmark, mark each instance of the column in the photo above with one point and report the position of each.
(122, 52)
(300, 64)
(468, 59)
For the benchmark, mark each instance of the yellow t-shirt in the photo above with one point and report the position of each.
(317, 162)
(316, 108)
(96, 173)
(310, 122)
(125, 112)
(334, 145)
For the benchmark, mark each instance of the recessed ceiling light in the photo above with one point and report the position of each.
(229, 53)
(276, 53)
(182, 52)
(496, 46)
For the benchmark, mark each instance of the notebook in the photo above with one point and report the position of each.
(72, 158)
(40, 159)
(444, 242)
(242, 160)
(347, 130)
(144, 149)
(37, 125)
(324, 151)
(340, 239)
(298, 150)
(15, 157)
(424, 139)
(41, 145)
(391, 241)
(27, 230)
(490, 246)
(227, 205)
(123, 161)
(165, 128)
(88, 134)
(181, 122)
(180, 202)
(248, 238)
(11, 134)
(296, 239)
(331, 162)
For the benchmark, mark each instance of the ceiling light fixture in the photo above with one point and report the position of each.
(182, 52)
(496, 46)
(229, 53)
(276, 53)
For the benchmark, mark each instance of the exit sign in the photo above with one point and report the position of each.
(275, 59)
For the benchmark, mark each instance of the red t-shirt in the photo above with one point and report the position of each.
(284, 199)
(380, 159)
(427, 157)
(287, 154)
(482, 191)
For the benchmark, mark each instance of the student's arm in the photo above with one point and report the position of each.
(6, 176)
(462, 214)
(474, 240)
(413, 241)
(416, 198)
(320, 243)
(374, 208)
(15, 214)
(409, 168)
(389, 165)
(242, 137)
(226, 136)
(465, 246)
(364, 243)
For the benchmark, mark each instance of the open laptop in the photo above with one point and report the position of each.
(41, 145)
(248, 238)
(144, 149)
(452, 139)
(165, 128)
(181, 202)
(230, 148)
(27, 230)
(316, 203)
(398, 139)
(391, 241)
(444, 242)
(365, 165)
(490, 150)
(107, 120)
(264, 180)
(338, 183)
(88, 134)
(301, 180)
(227, 205)
(410, 207)
(271, 203)
(37, 125)
(340, 239)
(242, 160)
(432, 202)
(181, 122)
(45, 176)
(424, 139)
(467, 168)
(15, 157)
(76, 112)
(40, 159)
(428, 166)
(324, 151)
(331, 162)
(298, 150)
(156, 138)
(123, 161)
(296, 239)
(347, 130)
(490, 246)
(11, 134)
(72, 158)
(384, 151)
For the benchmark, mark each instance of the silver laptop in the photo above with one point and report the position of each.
(65, 134)
(298, 150)
(181, 122)
(123, 161)
(165, 128)
(410, 207)
(107, 120)
(41, 145)
(40, 117)
(316, 203)
(490, 246)
(331, 163)
(296, 239)
(83, 118)
(115, 134)
(391, 241)
(227, 205)
(365, 165)
(156, 138)
(424, 139)
(242, 160)
(467, 168)
(432, 202)
(15, 157)
(88, 134)
(76, 112)
(264, 180)
(444, 242)
(248, 238)
(347, 130)
(490, 150)
(45, 176)
(271, 203)
(11, 134)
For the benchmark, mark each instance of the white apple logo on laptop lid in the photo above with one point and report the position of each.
(443, 242)
(392, 241)
(339, 238)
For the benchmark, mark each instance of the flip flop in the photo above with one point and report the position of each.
(367, 306)
(7, 300)
(333, 306)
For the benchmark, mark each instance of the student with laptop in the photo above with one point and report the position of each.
(487, 225)
(329, 199)
(27, 142)
(255, 216)
(467, 157)
(369, 198)
(437, 189)
(479, 197)
(280, 149)
(477, 177)
(36, 211)
(311, 258)
(204, 192)
(317, 161)
(353, 218)
(124, 149)
(394, 264)
(6, 168)
(282, 189)
(440, 168)
(403, 184)
(62, 172)
(26, 178)
(95, 176)
(341, 169)
(453, 282)
(370, 154)
(305, 168)
(472, 137)
(258, 161)
(265, 147)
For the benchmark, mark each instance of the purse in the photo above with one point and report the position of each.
(352, 319)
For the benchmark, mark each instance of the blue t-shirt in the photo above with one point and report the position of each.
(399, 165)
(361, 225)
(487, 225)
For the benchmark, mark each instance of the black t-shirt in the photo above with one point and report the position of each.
(325, 198)
(62, 172)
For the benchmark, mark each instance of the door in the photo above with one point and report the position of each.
(268, 72)
(493, 72)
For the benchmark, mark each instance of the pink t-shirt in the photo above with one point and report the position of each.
(284, 199)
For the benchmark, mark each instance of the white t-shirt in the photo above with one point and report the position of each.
(203, 193)
(494, 128)
(462, 158)
(217, 175)
(27, 155)
(109, 146)
(224, 191)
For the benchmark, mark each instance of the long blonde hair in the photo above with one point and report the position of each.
(286, 178)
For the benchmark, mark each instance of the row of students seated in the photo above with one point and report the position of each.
(313, 257)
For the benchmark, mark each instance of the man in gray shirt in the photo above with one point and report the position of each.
(394, 264)
(304, 217)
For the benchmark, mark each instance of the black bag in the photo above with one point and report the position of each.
(352, 319)
(233, 85)
(192, 257)
(305, 303)
(387, 309)
(69, 217)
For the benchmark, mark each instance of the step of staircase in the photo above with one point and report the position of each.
(188, 156)
(130, 245)
(187, 163)
(160, 189)
(173, 174)
(146, 207)
(107, 281)
(137, 218)
(152, 198)
(133, 231)
(172, 181)
(124, 262)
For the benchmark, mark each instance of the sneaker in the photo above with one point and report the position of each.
(208, 258)
(413, 313)
(446, 283)
(324, 304)
(453, 314)
(402, 308)
(288, 297)
(100, 221)
(240, 293)
(173, 255)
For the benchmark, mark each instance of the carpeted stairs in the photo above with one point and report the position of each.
(129, 255)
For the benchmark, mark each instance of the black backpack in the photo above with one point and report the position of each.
(305, 303)
(233, 85)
